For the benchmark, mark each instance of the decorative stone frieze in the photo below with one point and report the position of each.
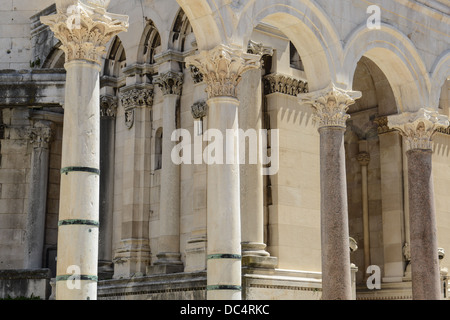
(418, 128)
(108, 106)
(41, 134)
(331, 105)
(278, 83)
(222, 69)
(135, 97)
(170, 83)
(199, 109)
(84, 28)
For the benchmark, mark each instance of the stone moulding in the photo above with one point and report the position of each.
(222, 69)
(84, 30)
(331, 105)
(278, 83)
(419, 127)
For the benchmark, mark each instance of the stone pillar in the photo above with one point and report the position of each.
(84, 30)
(418, 129)
(330, 107)
(169, 257)
(254, 252)
(364, 160)
(108, 111)
(40, 137)
(132, 255)
(222, 69)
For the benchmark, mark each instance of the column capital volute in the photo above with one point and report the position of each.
(222, 69)
(330, 105)
(418, 128)
(84, 28)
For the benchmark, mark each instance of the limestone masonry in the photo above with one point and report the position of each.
(317, 164)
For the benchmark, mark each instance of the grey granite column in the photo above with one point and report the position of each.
(418, 129)
(330, 107)
(40, 135)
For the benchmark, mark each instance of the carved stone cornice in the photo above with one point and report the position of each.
(199, 109)
(108, 106)
(278, 83)
(382, 123)
(135, 97)
(331, 105)
(222, 69)
(41, 134)
(419, 127)
(170, 83)
(84, 28)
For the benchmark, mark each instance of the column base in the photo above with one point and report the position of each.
(167, 263)
(105, 270)
(262, 262)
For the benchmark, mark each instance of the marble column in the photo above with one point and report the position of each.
(108, 112)
(40, 136)
(364, 160)
(84, 31)
(222, 68)
(168, 256)
(331, 107)
(418, 129)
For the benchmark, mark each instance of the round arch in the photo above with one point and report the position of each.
(439, 74)
(308, 28)
(396, 56)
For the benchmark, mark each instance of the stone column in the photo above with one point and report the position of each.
(364, 160)
(330, 107)
(84, 31)
(169, 257)
(418, 129)
(132, 254)
(254, 252)
(222, 69)
(40, 137)
(108, 111)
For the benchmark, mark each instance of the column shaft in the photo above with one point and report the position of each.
(223, 210)
(80, 184)
(336, 273)
(424, 249)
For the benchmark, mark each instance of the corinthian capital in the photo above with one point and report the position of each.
(41, 134)
(84, 28)
(222, 69)
(331, 105)
(170, 83)
(418, 128)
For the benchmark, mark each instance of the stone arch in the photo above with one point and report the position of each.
(439, 75)
(181, 32)
(201, 17)
(150, 44)
(309, 29)
(115, 59)
(55, 59)
(396, 56)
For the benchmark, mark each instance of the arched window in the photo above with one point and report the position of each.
(158, 149)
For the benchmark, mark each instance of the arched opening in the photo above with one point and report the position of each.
(158, 148)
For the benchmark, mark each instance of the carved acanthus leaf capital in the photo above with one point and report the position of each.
(331, 105)
(84, 28)
(41, 134)
(222, 69)
(108, 106)
(170, 83)
(418, 128)
(363, 158)
(135, 97)
(199, 109)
